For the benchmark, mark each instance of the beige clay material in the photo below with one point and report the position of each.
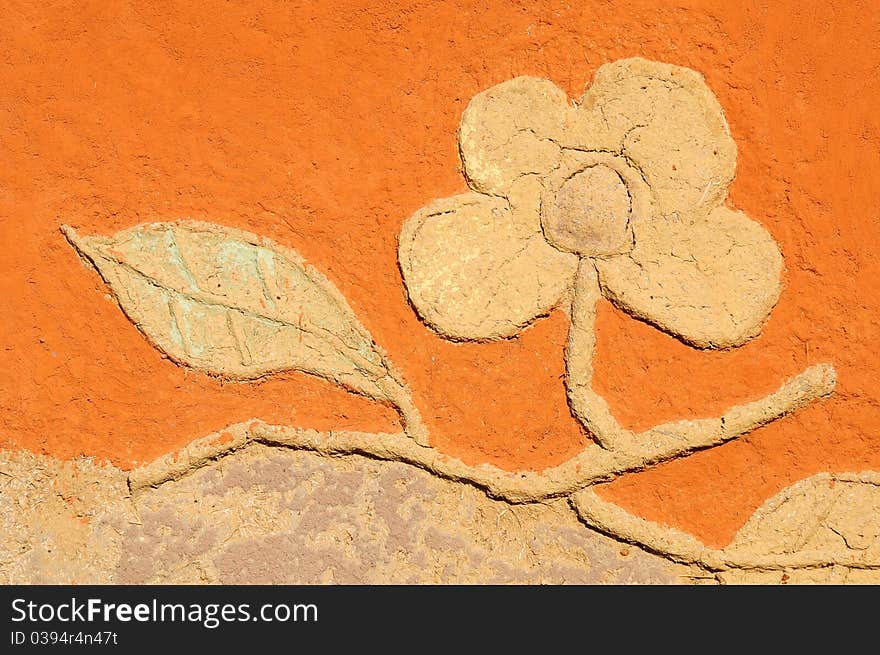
(700, 271)
(666, 121)
(234, 305)
(595, 464)
(711, 283)
(504, 275)
(276, 516)
(281, 515)
(825, 524)
(589, 213)
(816, 525)
(613, 180)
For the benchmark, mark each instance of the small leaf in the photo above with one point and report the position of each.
(234, 305)
(823, 520)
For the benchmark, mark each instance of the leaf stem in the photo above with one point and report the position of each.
(400, 397)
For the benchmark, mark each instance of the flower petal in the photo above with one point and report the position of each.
(669, 124)
(477, 267)
(511, 129)
(711, 283)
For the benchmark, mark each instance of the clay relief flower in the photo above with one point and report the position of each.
(620, 195)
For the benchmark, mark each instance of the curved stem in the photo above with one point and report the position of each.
(676, 437)
(611, 519)
(620, 451)
(399, 396)
(589, 407)
(567, 479)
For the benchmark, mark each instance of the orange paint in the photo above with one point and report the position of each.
(225, 437)
(325, 126)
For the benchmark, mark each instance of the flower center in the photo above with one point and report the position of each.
(589, 213)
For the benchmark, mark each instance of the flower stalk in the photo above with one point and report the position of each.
(677, 436)
(587, 406)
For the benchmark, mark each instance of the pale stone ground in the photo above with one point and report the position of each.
(268, 515)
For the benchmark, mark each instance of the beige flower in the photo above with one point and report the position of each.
(626, 185)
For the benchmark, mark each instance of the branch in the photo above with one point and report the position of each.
(593, 464)
(400, 397)
(613, 520)
(678, 546)
(678, 437)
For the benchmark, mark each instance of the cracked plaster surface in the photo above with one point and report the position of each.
(485, 264)
(278, 516)
(270, 515)
(617, 195)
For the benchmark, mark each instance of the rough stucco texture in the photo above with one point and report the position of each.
(324, 126)
(272, 516)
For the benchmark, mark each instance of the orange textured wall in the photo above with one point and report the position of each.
(325, 125)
